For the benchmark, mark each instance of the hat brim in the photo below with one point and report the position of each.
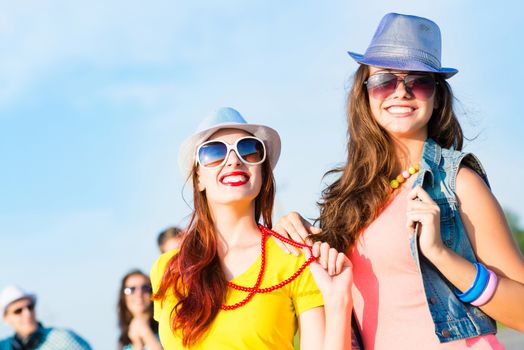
(25, 296)
(187, 152)
(402, 64)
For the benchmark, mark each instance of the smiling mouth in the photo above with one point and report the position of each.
(234, 179)
(400, 109)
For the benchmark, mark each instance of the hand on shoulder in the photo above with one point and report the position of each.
(294, 226)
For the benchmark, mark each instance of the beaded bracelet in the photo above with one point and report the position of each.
(488, 292)
(481, 280)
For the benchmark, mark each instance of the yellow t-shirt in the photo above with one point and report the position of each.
(267, 321)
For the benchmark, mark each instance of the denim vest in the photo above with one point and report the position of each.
(453, 319)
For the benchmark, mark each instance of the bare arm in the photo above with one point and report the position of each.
(329, 327)
(491, 240)
(494, 246)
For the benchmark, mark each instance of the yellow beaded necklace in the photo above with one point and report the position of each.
(403, 176)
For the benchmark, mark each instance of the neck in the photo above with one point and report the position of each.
(142, 315)
(24, 337)
(235, 226)
(409, 150)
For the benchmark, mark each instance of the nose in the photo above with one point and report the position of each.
(232, 159)
(401, 90)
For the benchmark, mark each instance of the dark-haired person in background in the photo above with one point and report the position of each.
(138, 329)
(169, 239)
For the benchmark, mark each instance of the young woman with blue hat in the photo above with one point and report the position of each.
(229, 286)
(434, 260)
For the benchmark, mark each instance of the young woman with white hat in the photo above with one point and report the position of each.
(229, 286)
(434, 260)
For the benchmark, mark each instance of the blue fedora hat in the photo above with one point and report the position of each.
(226, 118)
(405, 42)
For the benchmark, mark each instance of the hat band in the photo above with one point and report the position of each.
(402, 53)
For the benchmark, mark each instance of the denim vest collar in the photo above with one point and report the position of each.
(431, 157)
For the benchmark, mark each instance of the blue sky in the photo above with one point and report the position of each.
(96, 97)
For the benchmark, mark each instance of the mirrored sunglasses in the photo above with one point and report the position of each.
(145, 289)
(212, 154)
(18, 311)
(381, 85)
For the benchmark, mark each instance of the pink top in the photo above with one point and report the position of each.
(385, 271)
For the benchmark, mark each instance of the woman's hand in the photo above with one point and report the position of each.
(333, 273)
(138, 327)
(423, 210)
(295, 227)
(134, 334)
(140, 333)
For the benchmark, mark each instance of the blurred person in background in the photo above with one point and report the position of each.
(18, 308)
(138, 329)
(169, 239)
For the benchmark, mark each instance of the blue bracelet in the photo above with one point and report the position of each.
(480, 283)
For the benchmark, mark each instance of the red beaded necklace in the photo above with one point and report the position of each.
(255, 289)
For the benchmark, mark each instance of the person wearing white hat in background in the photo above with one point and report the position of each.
(18, 308)
(229, 286)
(433, 257)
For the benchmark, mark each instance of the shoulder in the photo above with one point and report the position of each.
(281, 259)
(66, 338)
(468, 180)
(455, 163)
(5, 344)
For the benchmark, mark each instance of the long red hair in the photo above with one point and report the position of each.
(195, 274)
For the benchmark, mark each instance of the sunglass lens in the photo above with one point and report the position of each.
(381, 85)
(29, 307)
(422, 86)
(251, 150)
(212, 154)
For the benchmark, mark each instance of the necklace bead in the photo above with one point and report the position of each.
(403, 176)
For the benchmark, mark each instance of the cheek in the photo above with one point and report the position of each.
(375, 106)
(258, 180)
(429, 108)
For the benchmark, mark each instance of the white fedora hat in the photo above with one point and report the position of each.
(226, 118)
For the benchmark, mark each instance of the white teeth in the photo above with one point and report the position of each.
(234, 178)
(400, 110)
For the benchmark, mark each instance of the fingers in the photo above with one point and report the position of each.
(329, 258)
(332, 261)
(316, 249)
(281, 244)
(418, 192)
(324, 255)
(295, 227)
(341, 262)
(421, 209)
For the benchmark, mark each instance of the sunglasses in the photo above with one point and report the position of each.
(212, 154)
(381, 85)
(145, 289)
(19, 310)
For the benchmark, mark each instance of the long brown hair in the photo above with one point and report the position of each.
(356, 198)
(125, 316)
(195, 274)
